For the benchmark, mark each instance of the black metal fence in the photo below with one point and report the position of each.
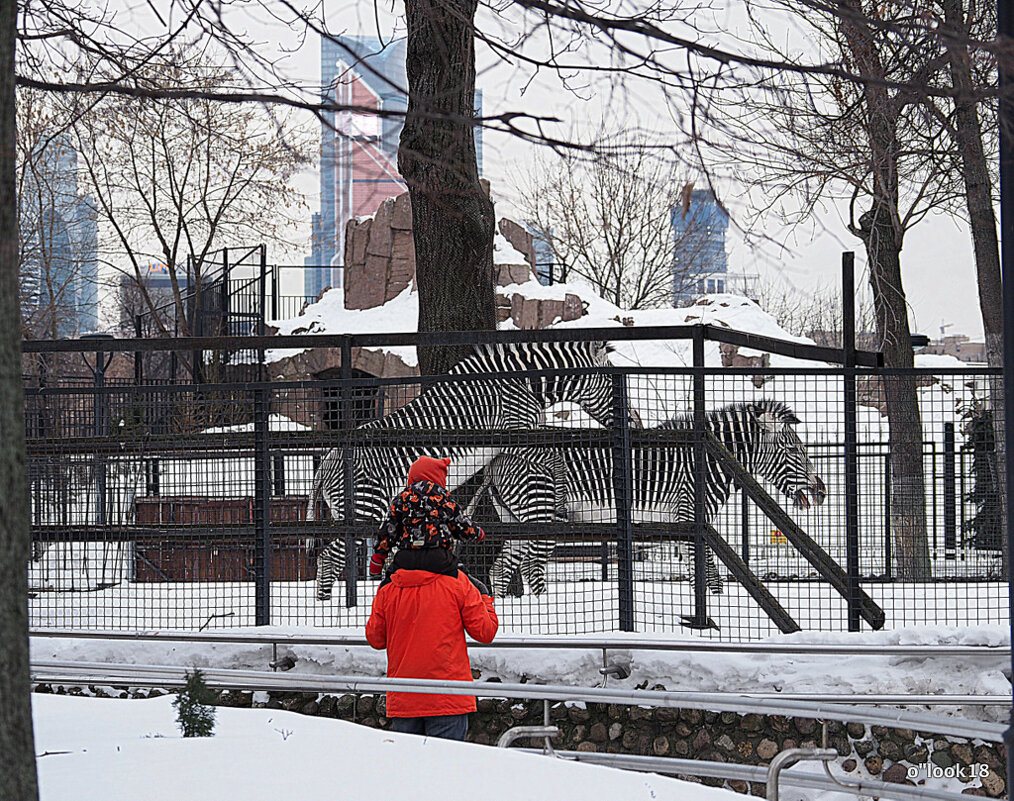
(182, 505)
(229, 292)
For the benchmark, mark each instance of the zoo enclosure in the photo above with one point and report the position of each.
(229, 292)
(181, 504)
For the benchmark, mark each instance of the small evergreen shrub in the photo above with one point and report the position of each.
(194, 713)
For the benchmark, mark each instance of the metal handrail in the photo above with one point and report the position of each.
(751, 773)
(52, 672)
(521, 732)
(620, 643)
(788, 758)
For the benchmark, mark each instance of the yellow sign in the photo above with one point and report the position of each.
(777, 538)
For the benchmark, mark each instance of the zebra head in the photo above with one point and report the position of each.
(780, 456)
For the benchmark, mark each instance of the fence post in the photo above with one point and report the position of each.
(225, 298)
(950, 497)
(152, 477)
(700, 617)
(745, 546)
(261, 330)
(276, 274)
(278, 474)
(888, 546)
(623, 491)
(851, 437)
(346, 424)
(138, 356)
(262, 510)
(100, 422)
(195, 301)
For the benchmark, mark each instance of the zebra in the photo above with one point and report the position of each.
(493, 404)
(526, 483)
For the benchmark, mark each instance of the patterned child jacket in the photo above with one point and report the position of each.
(425, 516)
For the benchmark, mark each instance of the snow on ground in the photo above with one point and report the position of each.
(329, 316)
(94, 749)
(276, 423)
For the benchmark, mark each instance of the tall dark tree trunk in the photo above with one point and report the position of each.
(882, 234)
(967, 135)
(908, 497)
(452, 215)
(17, 748)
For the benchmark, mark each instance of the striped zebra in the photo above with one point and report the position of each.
(526, 483)
(493, 404)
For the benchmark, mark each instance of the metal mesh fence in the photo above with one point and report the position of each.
(184, 505)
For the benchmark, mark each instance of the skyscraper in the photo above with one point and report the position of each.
(359, 152)
(700, 264)
(59, 245)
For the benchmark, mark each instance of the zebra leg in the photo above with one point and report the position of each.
(330, 564)
(533, 565)
(511, 556)
(525, 491)
(712, 577)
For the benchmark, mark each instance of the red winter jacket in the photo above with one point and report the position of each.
(421, 619)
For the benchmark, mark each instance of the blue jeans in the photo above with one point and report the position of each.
(447, 727)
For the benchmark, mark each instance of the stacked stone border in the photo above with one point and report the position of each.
(876, 752)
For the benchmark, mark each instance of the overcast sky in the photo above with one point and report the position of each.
(936, 260)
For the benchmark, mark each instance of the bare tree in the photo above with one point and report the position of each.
(608, 221)
(817, 314)
(973, 135)
(875, 147)
(178, 178)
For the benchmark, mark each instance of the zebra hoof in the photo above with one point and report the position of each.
(323, 596)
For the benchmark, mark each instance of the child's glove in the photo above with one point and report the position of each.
(376, 564)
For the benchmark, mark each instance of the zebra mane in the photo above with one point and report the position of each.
(778, 409)
(510, 357)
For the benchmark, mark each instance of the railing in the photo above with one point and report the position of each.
(106, 674)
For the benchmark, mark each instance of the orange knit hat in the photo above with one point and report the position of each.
(426, 468)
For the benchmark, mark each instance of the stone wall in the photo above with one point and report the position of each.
(864, 751)
(379, 255)
(380, 264)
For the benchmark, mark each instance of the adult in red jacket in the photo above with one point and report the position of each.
(421, 619)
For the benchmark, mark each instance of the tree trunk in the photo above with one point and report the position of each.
(908, 497)
(17, 747)
(881, 232)
(452, 216)
(967, 136)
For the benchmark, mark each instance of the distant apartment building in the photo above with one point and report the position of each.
(700, 264)
(359, 151)
(547, 271)
(59, 245)
(959, 346)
